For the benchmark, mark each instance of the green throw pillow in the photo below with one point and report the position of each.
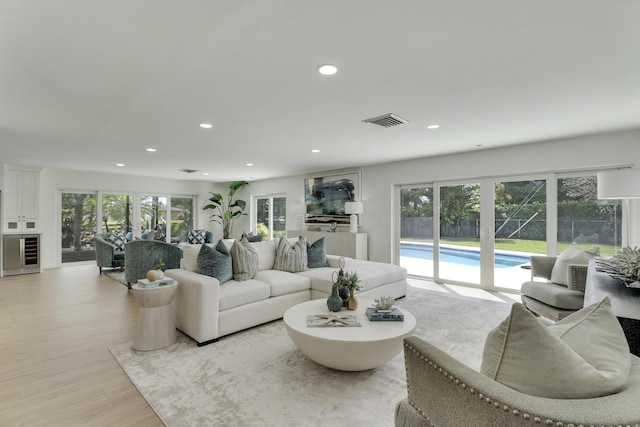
(581, 356)
(317, 254)
(215, 262)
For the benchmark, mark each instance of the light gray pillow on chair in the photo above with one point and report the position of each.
(572, 255)
(583, 355)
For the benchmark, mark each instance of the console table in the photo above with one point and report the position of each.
(353, 245)
(625, 302)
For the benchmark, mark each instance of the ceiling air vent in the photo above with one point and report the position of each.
(188, 170)
(386, 120)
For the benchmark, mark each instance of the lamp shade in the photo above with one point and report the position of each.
(351, 208)
(619, 184)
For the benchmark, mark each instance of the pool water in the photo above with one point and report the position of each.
(460, 256)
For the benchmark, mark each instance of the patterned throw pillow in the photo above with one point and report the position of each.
(116, 238)
(197, 237)
(317, 254)
(216, 262)
(245, 260)
(291, 258)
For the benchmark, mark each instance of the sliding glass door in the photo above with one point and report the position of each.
(458, 248)
(483, 232)
(520, 215)
(78, 226)
(416, 230)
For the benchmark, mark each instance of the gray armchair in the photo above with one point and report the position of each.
(143, 255)
(553, 300)
(107, 255)
(441, 391)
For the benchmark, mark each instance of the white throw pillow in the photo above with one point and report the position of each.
(572, 255)
(583, 355)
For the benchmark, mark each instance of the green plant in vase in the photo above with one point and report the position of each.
(351, 281)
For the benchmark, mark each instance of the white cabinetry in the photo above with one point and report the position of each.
(353, 245)
(20, 201)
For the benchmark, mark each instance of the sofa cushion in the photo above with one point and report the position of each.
(245, 260)
(320, 278)
(234, 293)
(581, 356)
(266, 254)
(283, 283)
(117, 239)
(197, 236)
(373, 274)
(291, 258)
(572, 255)
(215, 262)
(317, 254)
(554, 295)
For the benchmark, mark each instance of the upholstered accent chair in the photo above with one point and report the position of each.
(551, 299)
(108, 255)
(442, 391)
(143, 255)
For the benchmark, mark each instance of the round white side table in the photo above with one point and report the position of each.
(156, 328)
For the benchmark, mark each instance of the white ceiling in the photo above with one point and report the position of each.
(87, 84)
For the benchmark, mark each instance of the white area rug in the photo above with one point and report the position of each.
(258, 377)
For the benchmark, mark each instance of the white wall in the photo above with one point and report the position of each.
(52, 181)
(377, 185)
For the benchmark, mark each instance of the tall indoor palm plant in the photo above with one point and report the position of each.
(226, 212)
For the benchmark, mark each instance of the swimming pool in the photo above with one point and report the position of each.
(460, 256)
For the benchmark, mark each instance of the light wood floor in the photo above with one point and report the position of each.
(55, 366)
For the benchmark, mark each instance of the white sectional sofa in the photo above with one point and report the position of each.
(206, 310)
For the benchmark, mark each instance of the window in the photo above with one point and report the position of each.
(584, 219)
(270, 216)
(83, 214)
(78, 226)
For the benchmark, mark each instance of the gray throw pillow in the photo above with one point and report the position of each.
(291, 258)
(317, 254)
(245, 260)
(215, 262)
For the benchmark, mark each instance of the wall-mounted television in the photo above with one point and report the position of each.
(325, 197)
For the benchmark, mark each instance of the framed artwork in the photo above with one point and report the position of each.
(325, 197)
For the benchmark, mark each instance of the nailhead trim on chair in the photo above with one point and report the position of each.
(497, 405)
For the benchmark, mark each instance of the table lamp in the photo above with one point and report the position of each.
(353, 209)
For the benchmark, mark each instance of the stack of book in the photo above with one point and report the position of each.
(144, 283)
(392, 315)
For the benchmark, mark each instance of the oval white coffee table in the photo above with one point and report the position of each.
(347, 348)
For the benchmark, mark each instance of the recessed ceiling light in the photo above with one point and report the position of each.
(433, 126)
(151, 150)
(206, 125)
(120, 165)
(205, 173)
(327, 69)
(315, 151)
(249, 164)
